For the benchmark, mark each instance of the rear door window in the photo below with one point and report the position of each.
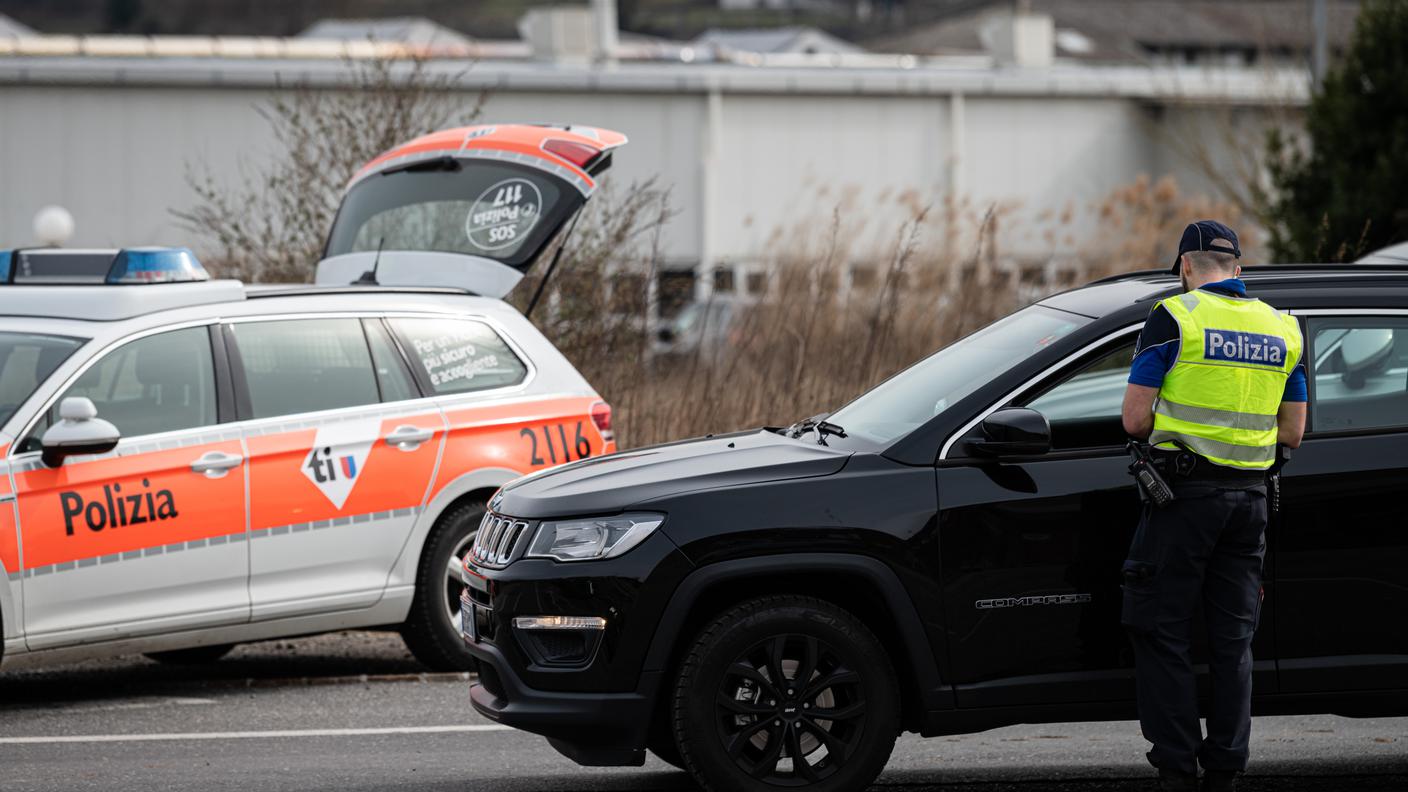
(304, 365)
(458, 355)
(1359, 373)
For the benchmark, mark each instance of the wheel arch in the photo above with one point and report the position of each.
(863, 585)
(482, 483)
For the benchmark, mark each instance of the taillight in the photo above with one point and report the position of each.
(578, 154)
(601, 416)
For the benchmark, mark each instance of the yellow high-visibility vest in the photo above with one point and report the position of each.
(1221, 397)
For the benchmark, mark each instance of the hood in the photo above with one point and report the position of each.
(471, 208)
(635, 478)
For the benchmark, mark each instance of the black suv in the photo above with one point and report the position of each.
(771, 608)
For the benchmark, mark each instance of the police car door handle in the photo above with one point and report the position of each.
(407, 438)
(215, 464)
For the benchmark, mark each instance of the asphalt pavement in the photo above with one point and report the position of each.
(354, 712)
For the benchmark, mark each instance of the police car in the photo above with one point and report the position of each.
(769, 609)
(192, 463)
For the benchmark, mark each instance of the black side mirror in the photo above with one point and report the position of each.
(1014, 431)
(666, 334)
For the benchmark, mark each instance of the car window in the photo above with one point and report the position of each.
(498, 210)
(1083, 407)
(907, 400)
(391, 373)
(304, 365)
(160, 383)
(1359, 368)
(459, 355)
(26, 360)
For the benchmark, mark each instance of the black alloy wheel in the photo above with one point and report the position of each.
(786, 693)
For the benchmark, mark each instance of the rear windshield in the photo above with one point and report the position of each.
(496, 210)
(26, 360)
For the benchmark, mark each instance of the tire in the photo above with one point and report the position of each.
(432, 630)
(725, 698)
(196, 655)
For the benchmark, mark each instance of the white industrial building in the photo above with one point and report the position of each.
(752, 148)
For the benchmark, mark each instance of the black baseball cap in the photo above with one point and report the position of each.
(1200, 235)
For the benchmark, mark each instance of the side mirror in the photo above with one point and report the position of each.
(1014, 431)
(666, 334)
(79, 431)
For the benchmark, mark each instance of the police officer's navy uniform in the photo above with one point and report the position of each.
(1223, 363)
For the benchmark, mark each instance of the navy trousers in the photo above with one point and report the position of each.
(1204, 550)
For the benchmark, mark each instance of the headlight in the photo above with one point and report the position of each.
(598, 537)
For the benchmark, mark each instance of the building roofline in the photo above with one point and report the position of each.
(1278, 86)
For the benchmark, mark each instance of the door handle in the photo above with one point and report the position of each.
(408, 438)
(215, 464)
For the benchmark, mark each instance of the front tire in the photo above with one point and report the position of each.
(786, 692)
(432, 631)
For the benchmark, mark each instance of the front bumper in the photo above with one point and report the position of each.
(594, 729)
(597, 712)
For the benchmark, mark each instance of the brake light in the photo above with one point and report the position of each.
(578, 154)
(601, 416)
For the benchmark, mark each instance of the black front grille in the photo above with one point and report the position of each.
(497, 539)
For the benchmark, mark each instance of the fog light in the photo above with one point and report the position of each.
(560, 641)
(559, 623)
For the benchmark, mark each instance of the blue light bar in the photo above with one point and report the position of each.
(6, 262)
(156, 265)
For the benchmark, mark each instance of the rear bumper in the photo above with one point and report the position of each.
(595, 729)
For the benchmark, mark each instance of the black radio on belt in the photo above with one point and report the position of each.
(1152, 486)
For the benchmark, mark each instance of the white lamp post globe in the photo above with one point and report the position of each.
(53, 226)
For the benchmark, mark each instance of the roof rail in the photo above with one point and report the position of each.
(261, 290)
(1272, 269)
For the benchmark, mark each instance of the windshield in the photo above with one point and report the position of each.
(909, 399)
(26, 360)
(494, 210)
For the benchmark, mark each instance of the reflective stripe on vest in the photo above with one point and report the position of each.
(1222, 395)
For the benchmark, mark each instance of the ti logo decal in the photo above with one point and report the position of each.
(339, 456)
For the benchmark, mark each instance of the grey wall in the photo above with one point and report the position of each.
(748, 172)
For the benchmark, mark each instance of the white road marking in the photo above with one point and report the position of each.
(252, 735)
(138, 703)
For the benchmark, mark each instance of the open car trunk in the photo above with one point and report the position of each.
(473, 208)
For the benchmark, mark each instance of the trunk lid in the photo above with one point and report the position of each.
(472, 208)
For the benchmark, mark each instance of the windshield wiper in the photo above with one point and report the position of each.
(818, 424)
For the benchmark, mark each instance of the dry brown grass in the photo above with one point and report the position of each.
(812, 344)
(817, 339)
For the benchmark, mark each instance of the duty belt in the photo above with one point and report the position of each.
(1188, 466)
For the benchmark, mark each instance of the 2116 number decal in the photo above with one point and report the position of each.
(554, 437)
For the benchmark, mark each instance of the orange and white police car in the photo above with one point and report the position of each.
(192, 463)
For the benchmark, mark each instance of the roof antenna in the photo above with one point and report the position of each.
(369, 277)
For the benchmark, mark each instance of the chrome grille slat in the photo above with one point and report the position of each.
(497, 537)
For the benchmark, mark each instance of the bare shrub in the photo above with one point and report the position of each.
(814, 343)
(271, 227)
(596, 304)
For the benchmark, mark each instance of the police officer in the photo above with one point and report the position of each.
(1216, 384)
